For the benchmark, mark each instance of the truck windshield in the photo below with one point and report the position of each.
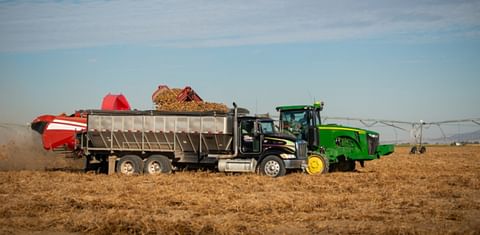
(267, 127)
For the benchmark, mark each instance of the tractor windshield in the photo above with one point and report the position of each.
(295, 122)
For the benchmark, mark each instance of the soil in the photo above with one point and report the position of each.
(434, 193)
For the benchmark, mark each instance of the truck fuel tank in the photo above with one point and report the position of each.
(237, 165)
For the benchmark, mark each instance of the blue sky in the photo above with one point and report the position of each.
(401, 60)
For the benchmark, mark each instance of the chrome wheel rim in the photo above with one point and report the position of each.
(127, 168)
(154, 168)
(272, 168)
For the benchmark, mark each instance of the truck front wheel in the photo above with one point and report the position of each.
(272, 166)
(157, 164)
(129, 165)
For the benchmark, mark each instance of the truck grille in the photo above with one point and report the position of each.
(372, 144)
(301, 147)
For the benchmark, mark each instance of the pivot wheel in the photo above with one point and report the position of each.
(157, 164)
(317, 164)
(129, 165)
(272, 166)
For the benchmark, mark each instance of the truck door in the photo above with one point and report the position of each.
(250, 137)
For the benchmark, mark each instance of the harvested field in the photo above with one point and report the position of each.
(436, 193)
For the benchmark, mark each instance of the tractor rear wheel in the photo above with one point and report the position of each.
(344, 166)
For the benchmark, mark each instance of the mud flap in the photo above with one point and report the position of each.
(111, 164)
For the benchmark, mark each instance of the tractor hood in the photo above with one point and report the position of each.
(335, 127)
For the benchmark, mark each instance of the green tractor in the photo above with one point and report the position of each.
(331, 147)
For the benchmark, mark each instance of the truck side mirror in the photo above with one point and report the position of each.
(312, 137)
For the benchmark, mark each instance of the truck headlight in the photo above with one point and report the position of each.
(288, 156)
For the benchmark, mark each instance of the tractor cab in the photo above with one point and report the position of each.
(302, 121)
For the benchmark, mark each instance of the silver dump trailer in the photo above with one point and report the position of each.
(152, 142)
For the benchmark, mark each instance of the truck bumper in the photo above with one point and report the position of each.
(295, 164)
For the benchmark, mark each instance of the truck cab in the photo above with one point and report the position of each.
(341, 145)
(259, 139)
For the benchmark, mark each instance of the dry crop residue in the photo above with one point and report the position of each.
(435, 193)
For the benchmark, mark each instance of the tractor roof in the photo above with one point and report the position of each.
(316, 105)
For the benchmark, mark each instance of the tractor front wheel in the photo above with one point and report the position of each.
(317, 164)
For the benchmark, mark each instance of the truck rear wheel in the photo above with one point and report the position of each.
(317, 164)
(272, 166)
(157, 164)
(129, 165)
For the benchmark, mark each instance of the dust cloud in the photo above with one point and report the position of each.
(21, 149)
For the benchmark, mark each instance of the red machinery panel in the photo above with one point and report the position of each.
(58, 131)
(188, 94)
(185, 95)
(115, 102)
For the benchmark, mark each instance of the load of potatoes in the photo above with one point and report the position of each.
(166, 100)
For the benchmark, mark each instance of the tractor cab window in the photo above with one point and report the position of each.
(296, 122)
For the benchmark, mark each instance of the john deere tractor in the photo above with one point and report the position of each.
(331, 147)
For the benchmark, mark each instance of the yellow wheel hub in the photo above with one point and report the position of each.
(315, 165)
